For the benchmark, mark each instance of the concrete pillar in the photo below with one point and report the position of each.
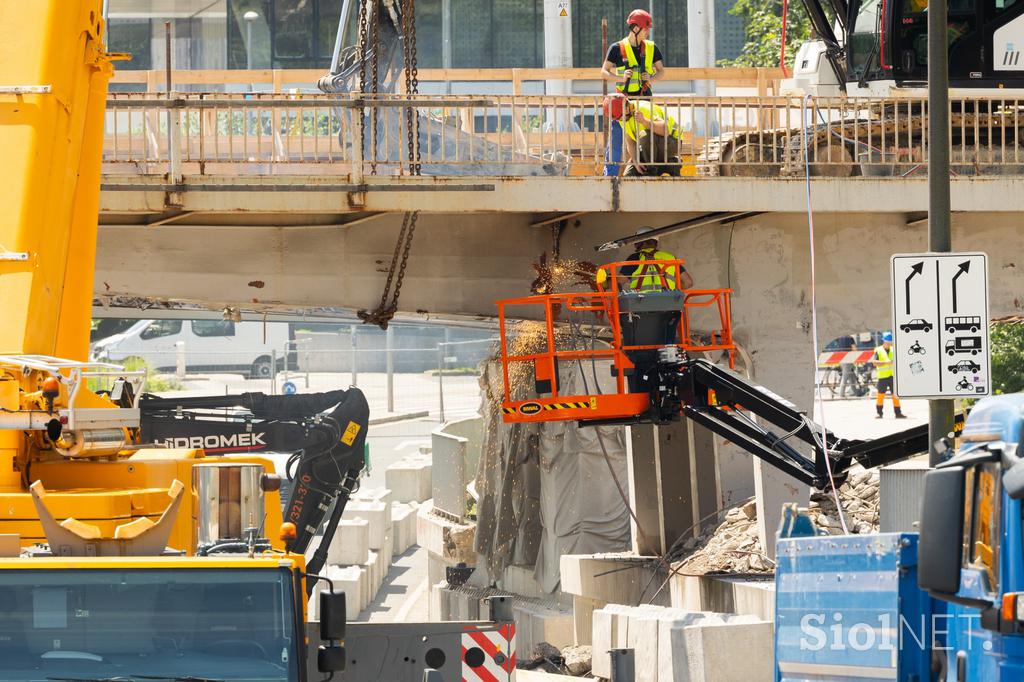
(558, 53)
(446, 36)
(700, 16)
(673, 482)
(700, 33)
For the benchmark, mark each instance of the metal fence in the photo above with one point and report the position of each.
(497, 135)
(441, 382)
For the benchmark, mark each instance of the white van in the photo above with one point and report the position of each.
(210, 345)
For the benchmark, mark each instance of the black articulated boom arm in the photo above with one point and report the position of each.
(718, 399)
(326, 431)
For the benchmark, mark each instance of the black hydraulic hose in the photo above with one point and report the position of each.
(316, 563)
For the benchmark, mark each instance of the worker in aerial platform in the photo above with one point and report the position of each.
(633, 64)
(650, 302)
(883, 364)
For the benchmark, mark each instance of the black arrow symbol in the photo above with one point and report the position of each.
(914, 270)
(964, 267)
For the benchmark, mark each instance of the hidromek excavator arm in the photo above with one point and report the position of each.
(326, 431)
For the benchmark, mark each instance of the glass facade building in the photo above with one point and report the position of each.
(239, 34)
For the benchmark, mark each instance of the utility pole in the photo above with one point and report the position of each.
(940, 412)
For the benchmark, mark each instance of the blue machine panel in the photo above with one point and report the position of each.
(848, 609)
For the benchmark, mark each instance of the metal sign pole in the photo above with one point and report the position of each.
(940, 412)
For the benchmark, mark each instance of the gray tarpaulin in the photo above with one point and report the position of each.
(545, 489)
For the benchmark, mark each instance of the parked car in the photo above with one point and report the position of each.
(210, 345)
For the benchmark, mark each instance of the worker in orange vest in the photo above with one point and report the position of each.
(633, 64)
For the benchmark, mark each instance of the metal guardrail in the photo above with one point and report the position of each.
(500, 135)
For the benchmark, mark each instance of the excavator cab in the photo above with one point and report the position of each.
(638, 322)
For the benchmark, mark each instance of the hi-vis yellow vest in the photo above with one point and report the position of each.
(635, 85)
(883, 355)
(654, 277)
(652, 112)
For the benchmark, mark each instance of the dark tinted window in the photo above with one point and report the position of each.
(213, 327)
(159, 328)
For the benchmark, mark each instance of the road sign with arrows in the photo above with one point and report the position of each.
(940, 325)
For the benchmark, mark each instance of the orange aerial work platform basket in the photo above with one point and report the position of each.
(648, 316)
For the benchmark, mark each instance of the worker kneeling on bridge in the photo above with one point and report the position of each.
(650, 302)
(652, 136)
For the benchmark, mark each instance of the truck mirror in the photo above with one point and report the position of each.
(332, 615)
(940, 550)
(1013, 481)
(330, 659)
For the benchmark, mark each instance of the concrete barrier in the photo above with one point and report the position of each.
(670, 645)
(403, 527)
(378, 514)
(351, 543)
(409, 479)
(455, 455)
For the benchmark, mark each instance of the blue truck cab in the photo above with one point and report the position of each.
(971, 551)
(945, 604)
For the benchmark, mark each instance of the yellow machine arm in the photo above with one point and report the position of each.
(67, 444)
(53, 87)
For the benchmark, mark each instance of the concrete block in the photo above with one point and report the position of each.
(583, 619)
(724, 595)
(439, 606)
(611, 578)
(348, 579)
(449, 541)
(464, 604)
(379, 516)
(519, 580)
(403, 527)
(373, 575)
(374, 495)
(608, 622)
(409, 480)
(351, 543)
(707, 652)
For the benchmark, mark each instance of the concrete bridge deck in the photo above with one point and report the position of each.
(309, 200)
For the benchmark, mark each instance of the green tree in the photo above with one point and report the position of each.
(1007, 357)
(762, 23)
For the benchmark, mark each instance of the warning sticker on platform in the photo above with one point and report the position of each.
(350, 434)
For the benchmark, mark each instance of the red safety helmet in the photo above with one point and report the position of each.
(641, 18)
(615, 105)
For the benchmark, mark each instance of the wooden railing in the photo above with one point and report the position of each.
(764, 80)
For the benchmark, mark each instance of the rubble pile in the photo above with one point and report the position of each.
(734, 547)
(572, 661)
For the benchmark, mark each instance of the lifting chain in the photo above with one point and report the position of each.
(363, 44)
(375, 86)
(386, 310)
(412, 82)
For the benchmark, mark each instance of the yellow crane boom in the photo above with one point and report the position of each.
(54, 72)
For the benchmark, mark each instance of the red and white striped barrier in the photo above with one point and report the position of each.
(489, 655)
(855, 357)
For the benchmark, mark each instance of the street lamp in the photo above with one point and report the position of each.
(250, 17)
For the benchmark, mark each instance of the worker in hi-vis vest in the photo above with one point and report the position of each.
(648, 277)
(883, 365)
(653, 138)
(632, 64)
